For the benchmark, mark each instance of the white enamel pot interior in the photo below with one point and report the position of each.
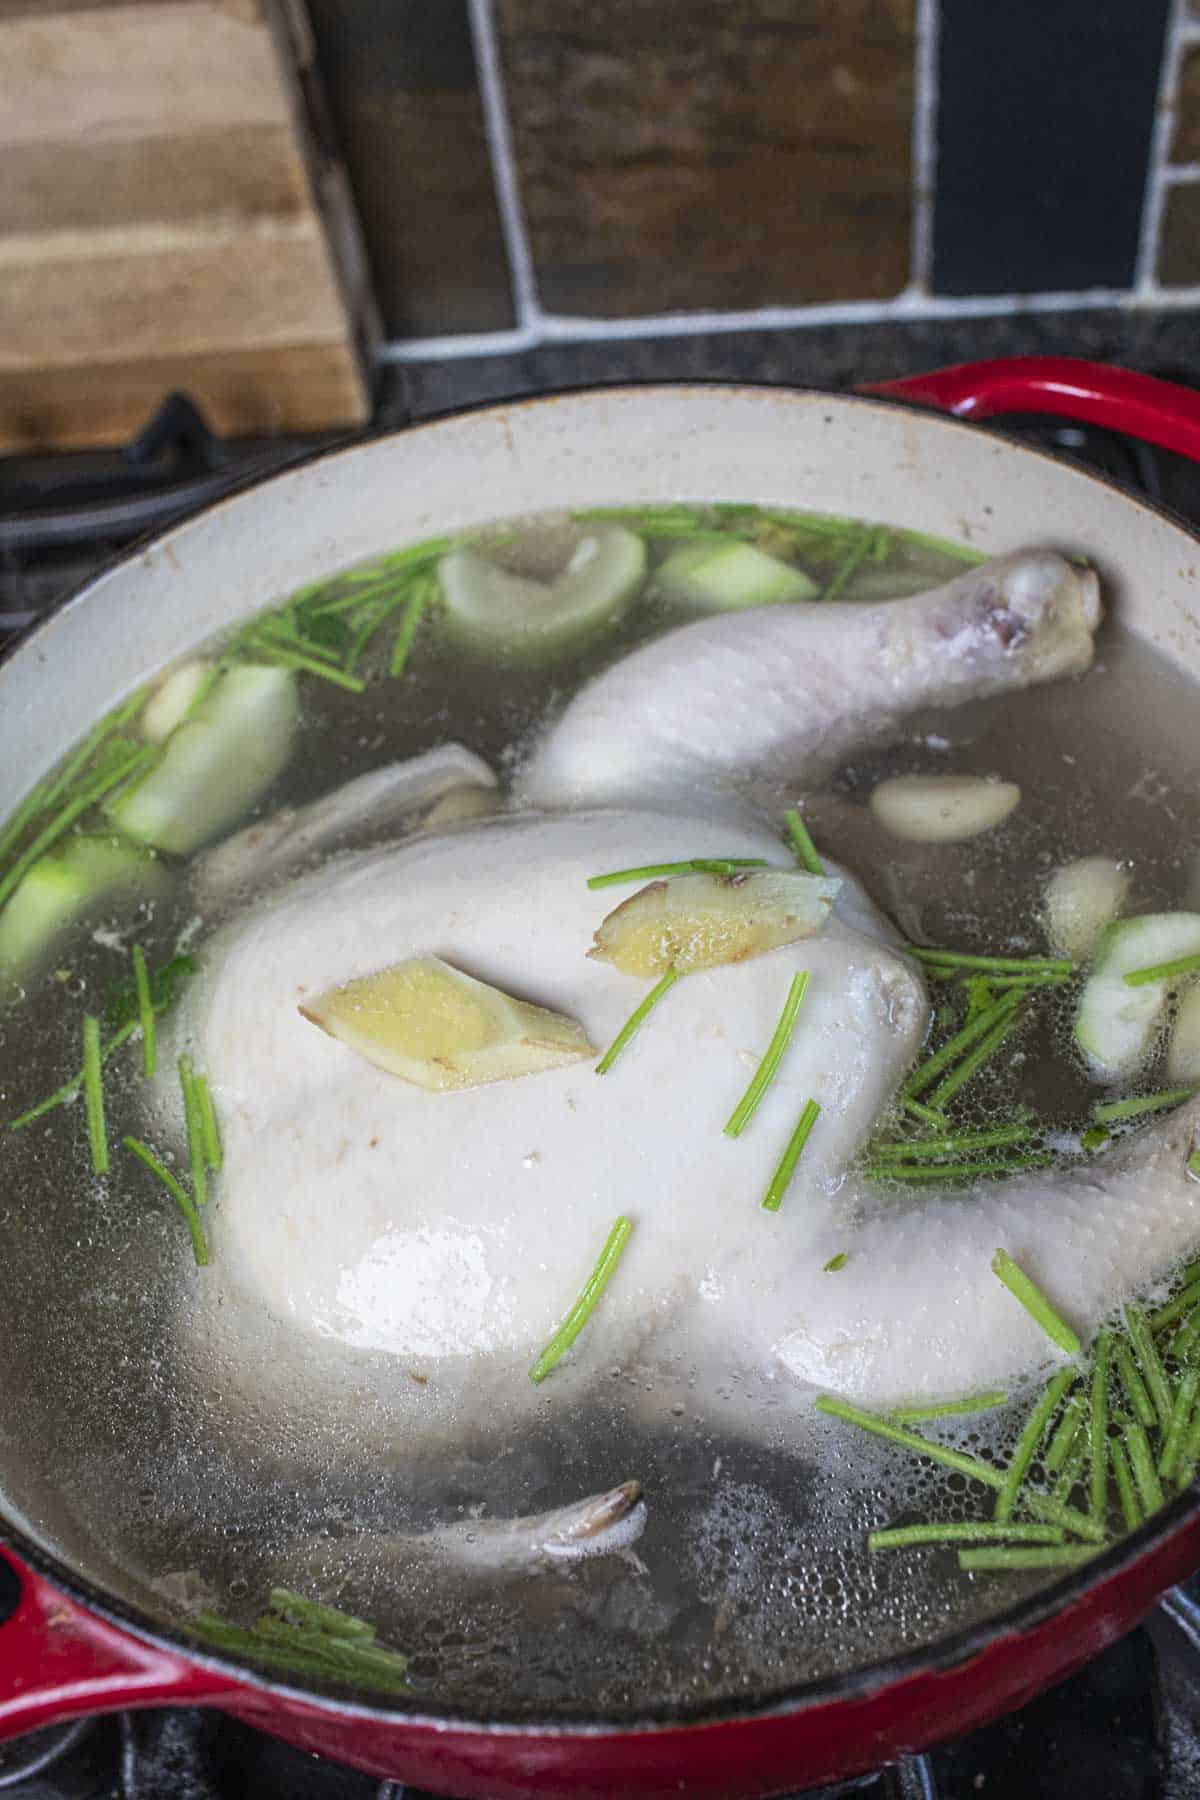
(880, 461)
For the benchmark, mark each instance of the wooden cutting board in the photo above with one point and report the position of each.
(171, 218)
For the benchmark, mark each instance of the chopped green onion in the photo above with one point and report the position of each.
(1183, 965)
(834, 1263)
(780, 1180)
(1016, 965)
(856, 554)
(653, 871)
(406, 636)
(1131, 1381)
(381, 577)
(43, 796)
(164, 985)
(333, 610)
(1098, 1426)
(93, 1088)
(912, 1440)
(180, 1196)
(763, 1076)
(145, 1013)
(927, 1114)
(966, 1171)
(1150, 1364)
(982, 1531)
(208, 1123)
(980, 995)
(310, 665)
(123, 769)
(970, 1065)
(1189, 1450)
(656, 521)
(636, 1020)
(195, 1129)
(1065, 1556)
(1023, 1288)
(803, 846)
(278, 625)
(1175, 1309)
(1070, 1472)
(931, 1068)
(926, 1147)
(1029, 1440)
(1131, 1510)
(1051, 979)
(1093, 1138)
(69, 1089)
(1053, 1510)
(944, 1409)
(304, 1638)
(1113, 1110)
(1181, 1413)
(583, 1308)
(1065, 1434)
(1145, 1475)
(1184, 1342)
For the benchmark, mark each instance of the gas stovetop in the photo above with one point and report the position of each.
(1126, 1728)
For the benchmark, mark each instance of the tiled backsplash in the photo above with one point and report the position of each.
(540, 171)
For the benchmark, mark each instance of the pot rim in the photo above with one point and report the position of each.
(946, 1653)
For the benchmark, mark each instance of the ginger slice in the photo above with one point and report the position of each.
(701, 921)
(440, 1029)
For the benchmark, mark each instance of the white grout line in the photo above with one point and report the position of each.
(536, 328)
(1160, 147)
(924, 144)
(497, 125)
(1180, 174)
(905, 308)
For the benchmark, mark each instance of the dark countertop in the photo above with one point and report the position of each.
(829, 356)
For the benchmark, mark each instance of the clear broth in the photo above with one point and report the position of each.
(133, 1463)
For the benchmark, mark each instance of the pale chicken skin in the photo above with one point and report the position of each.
(451, 1231)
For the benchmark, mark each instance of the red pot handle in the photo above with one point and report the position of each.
(1095, 393)
(58, 1661)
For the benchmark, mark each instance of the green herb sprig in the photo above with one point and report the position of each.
(178, 1193)
(636, 1020)
(300, 1637)
(768, 1068)
(93, 1088)
(1165, 971)
(1023, 1288)
(1110, 1112)
(585, 1305)
(713, 865)
(781, 1179)
(802, 844)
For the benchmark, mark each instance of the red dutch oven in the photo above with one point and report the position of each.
(69, 1647)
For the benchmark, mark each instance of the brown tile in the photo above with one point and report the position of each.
(1185, 145)
(1179, 242)
(712, 153)
(401, 84)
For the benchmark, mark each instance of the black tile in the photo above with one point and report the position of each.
(401, 85)
(1045, 120)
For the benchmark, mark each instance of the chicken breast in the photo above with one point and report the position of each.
(452, 1231)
